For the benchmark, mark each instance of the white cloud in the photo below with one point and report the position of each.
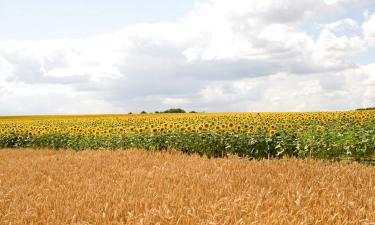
(342, 25)
(334, 52)
(225, 55)
(291, 92)
(174, 102)
(369, 29)
(331, 2)
(20, 99)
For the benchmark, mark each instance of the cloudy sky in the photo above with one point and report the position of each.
(117, 56)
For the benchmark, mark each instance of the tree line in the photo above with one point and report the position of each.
(171, 110)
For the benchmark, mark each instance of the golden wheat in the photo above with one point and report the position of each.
(140, 187)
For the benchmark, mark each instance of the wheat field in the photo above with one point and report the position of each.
(140, 187)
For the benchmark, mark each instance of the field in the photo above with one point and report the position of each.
(196, 168)
(324, 135)
(141, 187)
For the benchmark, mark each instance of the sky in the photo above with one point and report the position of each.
(120, 56)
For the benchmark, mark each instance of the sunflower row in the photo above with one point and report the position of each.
(343, 134)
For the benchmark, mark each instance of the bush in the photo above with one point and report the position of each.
(370, 108)
(174, 110)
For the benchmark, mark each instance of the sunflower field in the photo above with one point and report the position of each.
(323, 135)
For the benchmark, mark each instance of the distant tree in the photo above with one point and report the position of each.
(174, 110)
(370, 108)
(143, 112)
(156, 112)
(130, 113)
(193, 111)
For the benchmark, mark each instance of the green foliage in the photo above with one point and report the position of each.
(369, 108)
(332, 136)
(329, 144)
(174, 110)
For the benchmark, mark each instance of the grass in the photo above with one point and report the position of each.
(140, 187)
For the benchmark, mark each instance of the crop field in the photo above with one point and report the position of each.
(196, 168)
(324, 135)
(143, 187)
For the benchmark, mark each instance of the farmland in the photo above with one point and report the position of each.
(321, 135)
(142, 187)
(196, 168)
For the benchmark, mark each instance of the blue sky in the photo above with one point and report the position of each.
(60, 57)
(41, 19)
